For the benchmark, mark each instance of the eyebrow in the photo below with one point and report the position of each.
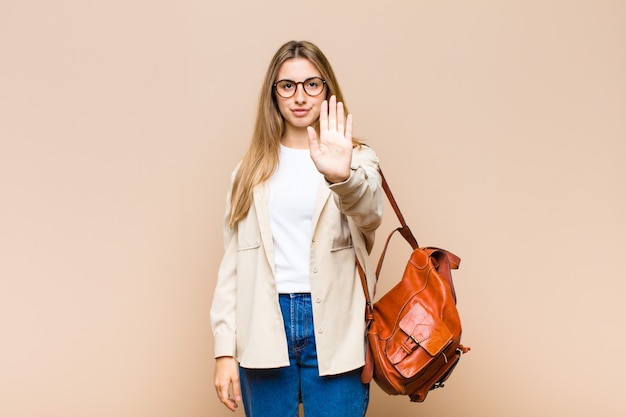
(292, 80)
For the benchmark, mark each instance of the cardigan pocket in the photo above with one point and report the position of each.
(340, 248)
(342, 243)
(341, 238)
(248, 246)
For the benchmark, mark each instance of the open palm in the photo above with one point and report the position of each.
(331, 152)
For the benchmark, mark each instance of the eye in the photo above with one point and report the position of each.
(286, 85)
(313, 83)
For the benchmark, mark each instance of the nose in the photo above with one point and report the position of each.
(300, 95)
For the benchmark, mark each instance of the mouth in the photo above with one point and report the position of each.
(300, 112)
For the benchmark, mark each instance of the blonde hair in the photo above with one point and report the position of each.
(261, 158)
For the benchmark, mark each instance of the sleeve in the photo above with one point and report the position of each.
(360, 196)
(223, 307)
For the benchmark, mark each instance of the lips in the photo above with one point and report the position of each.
(300, 112)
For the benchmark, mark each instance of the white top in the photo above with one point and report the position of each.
(292, 190)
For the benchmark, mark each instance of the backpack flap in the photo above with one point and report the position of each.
(417, 329)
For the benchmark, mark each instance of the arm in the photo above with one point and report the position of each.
(223, 320)
(360, 196)
(352, 173)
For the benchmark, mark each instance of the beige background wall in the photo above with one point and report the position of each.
(120, 122)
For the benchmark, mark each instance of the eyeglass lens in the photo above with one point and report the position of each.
(312, 86)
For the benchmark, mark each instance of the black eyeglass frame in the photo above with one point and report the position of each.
(324, 85)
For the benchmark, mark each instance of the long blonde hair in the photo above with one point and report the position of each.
(261, 158)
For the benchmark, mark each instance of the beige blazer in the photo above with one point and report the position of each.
(245, 314)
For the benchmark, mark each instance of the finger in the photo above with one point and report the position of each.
(232, 401)
(222, 391)
(340, 118)
(229, 402)
(314, 142)
(349, 127)
(231, 405)
(324, 116)
(332, 113)
(224, 395)
(236, 390)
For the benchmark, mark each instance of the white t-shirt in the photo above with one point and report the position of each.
(292, 191)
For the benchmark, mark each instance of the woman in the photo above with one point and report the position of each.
(288, 309)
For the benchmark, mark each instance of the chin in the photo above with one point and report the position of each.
(302, 123)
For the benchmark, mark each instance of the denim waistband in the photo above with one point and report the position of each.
(295, 294)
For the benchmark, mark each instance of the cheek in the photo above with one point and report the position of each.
(283, 108)
(317, 107)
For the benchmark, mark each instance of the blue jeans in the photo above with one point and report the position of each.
(276, 392)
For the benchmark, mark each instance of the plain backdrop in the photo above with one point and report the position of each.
(501, 127)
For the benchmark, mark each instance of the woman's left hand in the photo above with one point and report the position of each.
(332, 151)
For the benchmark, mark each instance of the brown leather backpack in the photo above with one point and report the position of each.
(414, 330)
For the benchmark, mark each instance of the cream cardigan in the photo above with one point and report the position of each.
(245, 314)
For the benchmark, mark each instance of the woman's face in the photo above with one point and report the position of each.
(301, 109)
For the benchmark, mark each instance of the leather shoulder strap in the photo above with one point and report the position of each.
(404, 230)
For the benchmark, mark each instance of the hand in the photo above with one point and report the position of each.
(332, 151)
(226, 379)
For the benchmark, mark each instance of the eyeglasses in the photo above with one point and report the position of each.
(312, 86)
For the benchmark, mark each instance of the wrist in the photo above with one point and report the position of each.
(337, 179)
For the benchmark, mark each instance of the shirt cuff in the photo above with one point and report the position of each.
(225, 345)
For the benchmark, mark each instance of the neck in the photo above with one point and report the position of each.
(296, 138)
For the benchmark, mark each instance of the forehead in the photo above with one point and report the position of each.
(297, 69)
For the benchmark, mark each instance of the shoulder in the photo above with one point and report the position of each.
(364, 155)
(234, 172)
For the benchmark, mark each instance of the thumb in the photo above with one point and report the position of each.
(314, 142)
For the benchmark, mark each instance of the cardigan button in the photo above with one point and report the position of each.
(315, 269)
(320, 330)
(318, 300)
